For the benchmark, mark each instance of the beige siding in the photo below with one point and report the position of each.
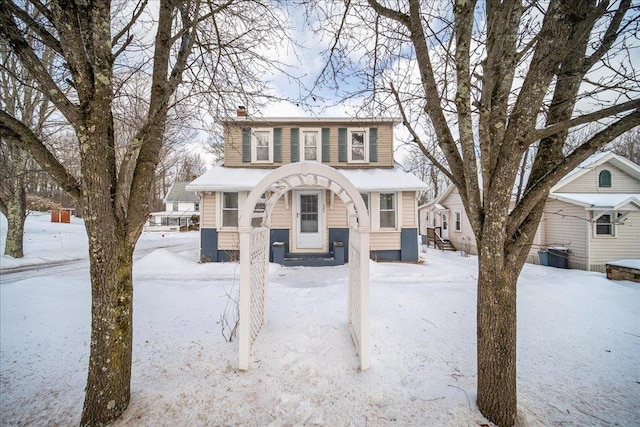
(233, 143)
(566, 225)
(336, 214)
(625, 244)
(281, 215)
(409, 209)
(382, 241)
(464, 239)
(228, 240)
(233, 146)
(208, 210)
(621, 182)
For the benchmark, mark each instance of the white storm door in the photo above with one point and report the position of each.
(445, 225)
(309, 220)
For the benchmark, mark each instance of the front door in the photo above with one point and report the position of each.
(445, 225)
(309, 220)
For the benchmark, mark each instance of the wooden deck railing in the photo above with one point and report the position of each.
(434, 237)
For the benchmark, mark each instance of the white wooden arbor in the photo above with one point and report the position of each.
(254, 252)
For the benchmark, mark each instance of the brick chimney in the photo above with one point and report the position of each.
(242, 111)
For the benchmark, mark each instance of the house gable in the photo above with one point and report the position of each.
(602, 173)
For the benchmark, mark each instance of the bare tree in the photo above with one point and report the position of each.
(491, 79)
(205, 53)
(429, 173)
(18, 97)
(628, 145)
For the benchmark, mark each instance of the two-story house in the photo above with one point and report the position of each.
(592, 216)
(310, 220)
(182, 207)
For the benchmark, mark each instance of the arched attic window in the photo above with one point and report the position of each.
(604, 179)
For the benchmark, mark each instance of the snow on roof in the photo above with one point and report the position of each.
(245, 179)
(178, 193)
(599, 200)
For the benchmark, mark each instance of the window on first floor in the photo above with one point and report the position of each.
(457, 217)
(229, 209)
(259, 209)
(605, 225)
(387, 210)
(365, 197)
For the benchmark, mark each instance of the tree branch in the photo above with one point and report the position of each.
(539, 190)
(46, 37)
(539, 134)
(15, 38)
(23, 137)
(417, 140)
(136, 14)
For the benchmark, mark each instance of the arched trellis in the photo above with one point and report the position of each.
(254, 251)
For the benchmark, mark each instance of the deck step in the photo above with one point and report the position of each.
(319, 259)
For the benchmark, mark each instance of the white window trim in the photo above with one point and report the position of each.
(318, 147)
(395, 209)
(614, 225)
(366, 145)
(242, 196)
(254, 141)
(455, 223)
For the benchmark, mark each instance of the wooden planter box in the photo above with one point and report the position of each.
(620, 272)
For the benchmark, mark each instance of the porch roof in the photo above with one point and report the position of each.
(223, 178)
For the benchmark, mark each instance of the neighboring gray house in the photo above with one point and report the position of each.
(593, 213)
(180, 207)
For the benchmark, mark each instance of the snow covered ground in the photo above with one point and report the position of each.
(578, 342)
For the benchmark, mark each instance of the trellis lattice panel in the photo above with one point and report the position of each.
(355, 287)
(259, 256)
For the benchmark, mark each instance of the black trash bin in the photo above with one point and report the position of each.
(277, 251)
(559, 257)
(544, 257)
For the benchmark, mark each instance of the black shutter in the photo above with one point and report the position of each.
(246, 145)
(342, 144)
(373, 144)
(326, 145)
(277, 145)
(295, 145)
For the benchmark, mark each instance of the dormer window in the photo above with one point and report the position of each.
(604, 179)
(262, 146)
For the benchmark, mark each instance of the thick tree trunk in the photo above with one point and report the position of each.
(14, 245)
(496, 323)
(16, 205)
(108, 381)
